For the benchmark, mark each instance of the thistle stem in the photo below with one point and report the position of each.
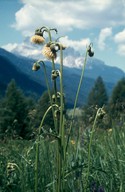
(37, 146)
(60, 147)
(90, 144)
(76, 99)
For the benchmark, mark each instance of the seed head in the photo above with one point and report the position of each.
(48, 53)
(37, 39)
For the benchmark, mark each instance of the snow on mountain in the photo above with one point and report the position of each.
(72, 59)
(94, 68)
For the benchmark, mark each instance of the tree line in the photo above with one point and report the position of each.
(113, 105)
(20, 115)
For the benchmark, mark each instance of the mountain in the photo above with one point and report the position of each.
(94, 67)
(20, 68)
(9, 71)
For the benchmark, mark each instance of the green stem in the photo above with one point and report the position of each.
(89, 147)
(60, 151)
(48, 89)
(76, 98)
(62, 95)
(37, 146)
(46, 79)
(54, 81)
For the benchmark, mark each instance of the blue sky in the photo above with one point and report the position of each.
(81, 22)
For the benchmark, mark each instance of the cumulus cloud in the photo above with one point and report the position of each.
(120, 37)
(26, 49)
(67, 15)
(104, 34)
(78, 45)
(121, 49)
(72, 56)
(29, 49)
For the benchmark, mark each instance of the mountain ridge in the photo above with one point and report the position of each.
(71, 77)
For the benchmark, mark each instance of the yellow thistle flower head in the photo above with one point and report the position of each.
(38, 37)
(48, 53)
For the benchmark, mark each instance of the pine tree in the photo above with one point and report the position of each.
(96, 99)
(117, 101)
(14, 112)
(98, 95)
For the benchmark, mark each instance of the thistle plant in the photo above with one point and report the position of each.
(50, 50)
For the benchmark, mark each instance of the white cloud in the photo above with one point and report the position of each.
(28, 49)
(120, 37)
(104, 34)
(67, 15)
(121, 49)
(25, 49)
(78, 45)
(72, 56)
(10, 46)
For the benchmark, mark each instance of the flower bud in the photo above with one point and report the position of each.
(36, 66)
(55, 74)
(54, 47)
(90, 52)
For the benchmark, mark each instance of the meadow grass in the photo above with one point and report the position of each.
(107, 165)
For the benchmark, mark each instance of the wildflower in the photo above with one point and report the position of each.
(50, 49)
(10, 168)
(90, 52)
(36, 66)
(110, 130)
(55, 74)
(56, 47)
(101, 113)
(38, 37)
(48, 52)
(57, 96)
(73, 142)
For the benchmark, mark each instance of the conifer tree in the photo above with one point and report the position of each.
(117, 101)
(98, 95)
(14, 112)
(96, 99)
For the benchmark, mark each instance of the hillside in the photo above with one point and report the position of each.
(20, 68)
(8, 71)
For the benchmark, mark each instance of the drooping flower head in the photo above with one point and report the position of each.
(90, 52)
(36, 66)
(38, 37)
(50, 50)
